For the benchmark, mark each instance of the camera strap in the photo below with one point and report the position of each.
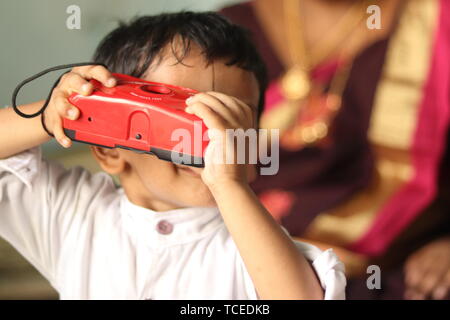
(40, 74)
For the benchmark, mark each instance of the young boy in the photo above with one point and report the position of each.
(171, 231)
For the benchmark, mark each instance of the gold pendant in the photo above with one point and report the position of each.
(312, 124)
(296, 84)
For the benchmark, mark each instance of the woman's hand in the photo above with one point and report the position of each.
(427, 271)
(220, 113)
(59, 107)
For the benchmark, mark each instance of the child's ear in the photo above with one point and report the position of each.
(110, 160)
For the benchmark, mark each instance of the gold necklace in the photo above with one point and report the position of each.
(296, 83)
(309, 110)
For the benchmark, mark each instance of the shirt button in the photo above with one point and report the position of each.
(164, 227)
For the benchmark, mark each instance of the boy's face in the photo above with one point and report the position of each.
(161, 185)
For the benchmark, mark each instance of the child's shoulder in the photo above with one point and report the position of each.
(78, 178)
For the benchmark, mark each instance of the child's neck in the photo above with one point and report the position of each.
(152, 204)
(141, 198)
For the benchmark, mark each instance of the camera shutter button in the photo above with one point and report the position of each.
(155, 89)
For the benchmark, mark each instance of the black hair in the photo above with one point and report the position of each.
(133, 47)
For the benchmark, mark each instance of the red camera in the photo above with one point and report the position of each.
(142, 116)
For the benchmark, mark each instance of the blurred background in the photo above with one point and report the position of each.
(34, 37)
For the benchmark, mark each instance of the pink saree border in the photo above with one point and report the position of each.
(430, 134)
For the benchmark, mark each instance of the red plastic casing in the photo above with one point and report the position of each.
(138, 115)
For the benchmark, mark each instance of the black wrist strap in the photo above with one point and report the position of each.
(44, 126)
(44, 106)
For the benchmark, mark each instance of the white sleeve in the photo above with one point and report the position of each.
(40, 201)
(327, 266)
(329, 269)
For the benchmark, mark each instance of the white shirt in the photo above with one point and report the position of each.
(84, 235)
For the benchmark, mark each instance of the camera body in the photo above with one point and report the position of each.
(142, 116)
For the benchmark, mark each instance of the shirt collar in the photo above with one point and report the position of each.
(166, 228)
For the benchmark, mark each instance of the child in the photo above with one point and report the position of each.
(171, 231)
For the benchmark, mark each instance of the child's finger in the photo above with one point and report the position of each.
(240, 109)
(215, 104)
(73, 82)
(211, 118)
(63, 107)
(82, 69)
(98, 73)
(249, 111)
(58, 132)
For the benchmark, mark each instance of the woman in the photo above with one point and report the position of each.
(363, 116)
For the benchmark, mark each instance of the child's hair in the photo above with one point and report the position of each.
(132, 48)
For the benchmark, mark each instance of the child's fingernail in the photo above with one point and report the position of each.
(189, 100)
(85, 88)
(188, 110)
(65, 142)
(71, 113)
(111, 82)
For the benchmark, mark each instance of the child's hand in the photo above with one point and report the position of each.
(219, 113)
(59, 107)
